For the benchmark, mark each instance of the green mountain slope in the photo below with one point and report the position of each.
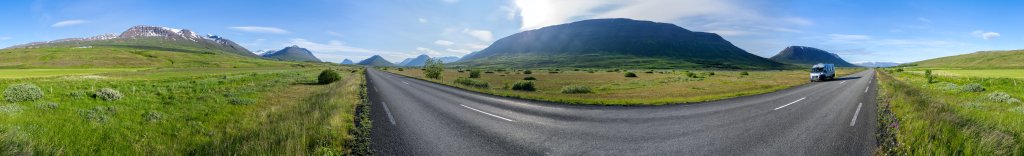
(122, 57)
(375, 60)
(982, 59)
(809, 55)
(293, 53)
(628, 42)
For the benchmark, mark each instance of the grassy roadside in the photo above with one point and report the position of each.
(270, 111)
(949, 116)
(612, 87)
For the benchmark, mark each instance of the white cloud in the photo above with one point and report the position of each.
(987, 35)
(925, 20)
(848, 37)
(460, 51)
(260, 29)
(428, 51)
(483, 35)
(422, 20)
(333, 33)
(67, 23)
(444, 42)
(336, 51)
(476, 46)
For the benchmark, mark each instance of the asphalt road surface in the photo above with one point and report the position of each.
(415, 117)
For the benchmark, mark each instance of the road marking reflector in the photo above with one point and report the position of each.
(798, 100)
(854, 120)
(392, 119)
(499, 117)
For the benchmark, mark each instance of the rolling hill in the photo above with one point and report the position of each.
(347, 61)
(418, 61)
(375, 60)
(616, 43)
(139, 46)
(976, 60)
(808, 55)
(293, 53)
(877, 64)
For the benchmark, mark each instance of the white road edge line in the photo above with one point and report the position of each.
(499, 117)
(854, 120)
(392, 119)
(798, 100)
(405, 82)
(375, 89)
(842, 82)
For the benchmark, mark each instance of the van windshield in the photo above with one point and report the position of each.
(817, 70)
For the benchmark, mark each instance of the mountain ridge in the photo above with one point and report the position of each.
(804, 55)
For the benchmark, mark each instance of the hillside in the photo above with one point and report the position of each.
(375, 60)
(982, 59)
(418, 61)
(292, 53)
(347, 61)
(877, 64)
(808, 56)
(139, 46)
(616, 43)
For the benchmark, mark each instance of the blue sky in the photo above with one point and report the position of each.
(870, 30)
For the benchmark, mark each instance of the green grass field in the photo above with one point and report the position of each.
(980, 73)
(193, 111)
(613, 88)
(27, 73)
(125, 57)
(946, 118)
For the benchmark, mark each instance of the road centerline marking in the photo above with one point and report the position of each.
(499, 117)
(842, 82)
(405, 82)
(798, 100)
(854, 120)
(375, 89)
(392, 119)
(866, 88)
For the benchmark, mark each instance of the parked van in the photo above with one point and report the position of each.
(823, 72)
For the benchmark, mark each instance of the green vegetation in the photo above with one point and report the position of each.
(471, 82)
(612, 88)
(576, 89)
(27, 73)
(328, 76)
(475, 73)
(433, 69)
(744, 73)
(125, 57)
(983, 73)
(524, 86)
(22, 92)
(529, 78)
(600, 61)
(630, 74)
(977, 60)
(954, 116)
(179, 111)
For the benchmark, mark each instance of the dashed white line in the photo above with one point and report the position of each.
(842, 82)
(798, 100)
(392, 119)
(854, 120)
(375, 89)
(499, 117)
(405, 82)
(866, 89)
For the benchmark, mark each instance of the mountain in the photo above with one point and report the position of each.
(347, 61)
(977, 60)
(419, 61)
(404, 62)
(153, 38)
(877, 64)
(809, 55)
(616, 43)
(292, 53)
(375, 60)
(448, 59)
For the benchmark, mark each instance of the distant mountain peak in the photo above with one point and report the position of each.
(375, 60)
(809, 55)
(292, 53)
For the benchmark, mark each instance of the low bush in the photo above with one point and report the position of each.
(1002, 97)
(710, 73)
(691, 75)
(529, 78)
(22, 92)
(474, 74)
(974, 87)
(155, 116)
(49, 105)
(649, 72)
(108, 94)
(401, 69)
(329, 76)
(948, 86)
(553, 72)
(527, 72)
(630, 74)
(523, 86)
(471, 82)
(744, 73)
(576, 89)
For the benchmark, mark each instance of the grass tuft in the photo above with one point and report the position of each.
(576, 89)
(22, 92)
(471, 82)
(108, 94)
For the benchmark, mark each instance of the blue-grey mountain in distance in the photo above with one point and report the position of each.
(347, 61)
(809, 55)
(878, 64)
(292, 53)
(448, 59)
(375, 60)
(616, 43)
(418, 61)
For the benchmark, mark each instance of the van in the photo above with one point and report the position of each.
(823, 72)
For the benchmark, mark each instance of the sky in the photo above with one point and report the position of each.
(858, 31)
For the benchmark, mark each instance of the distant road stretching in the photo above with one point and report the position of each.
(415, 117)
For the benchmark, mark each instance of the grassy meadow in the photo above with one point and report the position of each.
(612, 87)
(955, 114)
(27, 73)
(185, 111)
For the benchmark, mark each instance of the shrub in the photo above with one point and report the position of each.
(108, 94)
(523, 86)
(929, 76)
(575, 89)
(529, 78)
(553, 72)
(527, 72)
(1002, 97)
(899, 69)
(328, 76)
(649, 72)
(974, 87)
(152, 116)
(474, 74)
(630, 74)
(948, 86)
(1019, 109)
(401, 69)
(744, 73)
(49, 105)
(241, 101)
(691, 75)
(433, 68)
(22, 92)
(711, 73)
(471, 82)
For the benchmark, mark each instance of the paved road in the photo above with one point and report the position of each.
(414, 117)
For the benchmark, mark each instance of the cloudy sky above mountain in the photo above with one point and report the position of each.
(874, 30)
